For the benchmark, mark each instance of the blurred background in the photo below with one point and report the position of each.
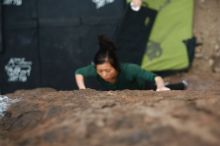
(42, 42)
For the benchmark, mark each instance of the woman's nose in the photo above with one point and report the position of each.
(104, 74)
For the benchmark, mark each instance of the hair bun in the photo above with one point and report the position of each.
(106, 43)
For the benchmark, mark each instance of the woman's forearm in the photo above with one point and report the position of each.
(80, 81)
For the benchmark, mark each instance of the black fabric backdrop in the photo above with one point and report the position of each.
(20, 39)
(1, 45)
(56, 36)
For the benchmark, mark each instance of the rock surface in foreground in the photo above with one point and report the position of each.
(120, 118)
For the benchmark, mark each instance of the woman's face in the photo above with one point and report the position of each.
(107, 72)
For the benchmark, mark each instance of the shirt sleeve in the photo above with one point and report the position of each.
(87, 71)
(139, 73)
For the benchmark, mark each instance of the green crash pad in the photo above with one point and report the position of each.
(165, 50)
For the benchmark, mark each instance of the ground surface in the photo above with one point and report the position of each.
(49, 118)
(45, 117)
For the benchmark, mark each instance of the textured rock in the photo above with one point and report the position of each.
(90, 117)
(206, 29)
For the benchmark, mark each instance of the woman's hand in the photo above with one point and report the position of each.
(163, 89)
(136, 3)
(160, 84)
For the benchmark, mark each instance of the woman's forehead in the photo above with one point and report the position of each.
(105, 65)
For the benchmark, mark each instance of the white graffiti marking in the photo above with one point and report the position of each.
(102, 3)
(18, 69)
(12, 2)
(5, 102)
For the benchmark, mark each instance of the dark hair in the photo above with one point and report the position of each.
(106, 53)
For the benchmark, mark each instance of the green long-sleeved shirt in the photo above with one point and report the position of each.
(131, 76)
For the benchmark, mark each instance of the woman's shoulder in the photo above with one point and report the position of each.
(129, 65)
(86, 69)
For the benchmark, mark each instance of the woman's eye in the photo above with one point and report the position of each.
(99, 71)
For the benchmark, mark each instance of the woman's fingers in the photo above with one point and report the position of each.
(163, 89)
